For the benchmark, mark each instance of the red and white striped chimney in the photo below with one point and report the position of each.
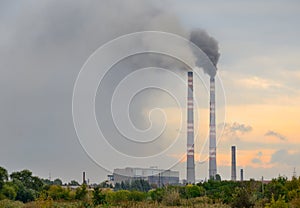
(212, 131)
(190, 171)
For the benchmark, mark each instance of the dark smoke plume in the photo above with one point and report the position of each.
(208, 45)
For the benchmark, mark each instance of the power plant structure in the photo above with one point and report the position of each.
(212, 131)
(190, 131)
(233, 163)
(152, 175)
(190, 170)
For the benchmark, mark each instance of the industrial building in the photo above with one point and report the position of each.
(153, 175)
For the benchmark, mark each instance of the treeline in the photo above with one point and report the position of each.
(134, 185)
(23, 186)
(22, 189)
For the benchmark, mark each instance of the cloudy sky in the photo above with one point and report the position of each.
(44, 44)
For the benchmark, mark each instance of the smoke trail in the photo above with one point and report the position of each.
(208, 45)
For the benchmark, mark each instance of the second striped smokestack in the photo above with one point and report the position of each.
(212, 131)
(190, 171)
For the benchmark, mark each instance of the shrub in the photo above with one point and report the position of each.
(171, 198)
(81, 192)
(8, 191)
(137, 196)
(98, 197)
(157, 194)
(193, 191)
(57, 192)
(241, 198)
(6, 203)
(118, 196)
(280, 203)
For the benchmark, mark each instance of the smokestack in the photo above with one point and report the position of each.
(83, 178)
(212, 132)
(233, 163)
(190, 171)
(242, 175)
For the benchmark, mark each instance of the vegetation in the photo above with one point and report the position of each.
(22, 189)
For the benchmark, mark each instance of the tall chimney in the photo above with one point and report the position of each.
(212, 132)
(83, 178)
(190, 171)
(233, 163)
(242, 175)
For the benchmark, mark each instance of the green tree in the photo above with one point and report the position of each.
(241, 198)
(279, 203)
(98, 196)
(157, 194)
(193, 191)
(3, 176)
(73, 183)
(9, 191)
(57, 192)
(29, 181)
(58, 182)
(277, 187)
(81, 192)
(218, 177)
(24, 194)
(137, 196)
(117, 187)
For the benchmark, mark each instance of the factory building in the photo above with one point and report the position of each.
(154, 176)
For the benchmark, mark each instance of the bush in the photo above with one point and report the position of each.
(81, 192)
(137, 196)
(118, 196)
(280, 203)
(193, 191)
(98, 197)
(171, 198)
(157, 194)
(241, 198)
(6, 203)
(8, 191)
(57, 193)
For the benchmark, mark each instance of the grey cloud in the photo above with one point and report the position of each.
(235, 130)
(275, 134)
(282, 156)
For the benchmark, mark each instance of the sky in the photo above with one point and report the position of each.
(43, 46)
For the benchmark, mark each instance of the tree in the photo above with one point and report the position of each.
(98, 196)
(24, 194)
(27, 186)
(117, 187)
(218, 177)
(277, 187)
(81, 192)
(57, 192)
(29, 181)
(193, 191)
(241, 198)
(3, 176)
(73, 183)
(9, 191)
(58, 182)
(104, 184)
(280, 203)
